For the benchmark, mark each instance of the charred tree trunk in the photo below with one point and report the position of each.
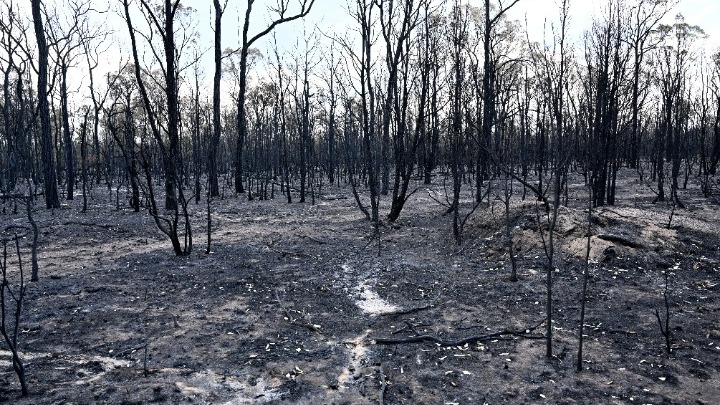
(215, 137)
(48, 162)
(84, 158)
(247, 41)
(67, 136)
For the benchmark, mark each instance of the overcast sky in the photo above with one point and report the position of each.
(331, 15)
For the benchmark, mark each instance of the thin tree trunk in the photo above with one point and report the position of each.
(49, 177)
(67, 137)
(215, 138)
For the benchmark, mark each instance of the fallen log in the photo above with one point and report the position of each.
(421, 338)
(622, 240)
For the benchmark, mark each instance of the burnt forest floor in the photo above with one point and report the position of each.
(288, 306)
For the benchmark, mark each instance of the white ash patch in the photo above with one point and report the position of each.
(371, 303)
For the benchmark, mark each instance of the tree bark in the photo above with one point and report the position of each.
(67, 136)
(49, 178)
(306, 6)
(215, 138)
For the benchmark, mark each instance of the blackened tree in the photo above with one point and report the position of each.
(49, 177)
(283, 16)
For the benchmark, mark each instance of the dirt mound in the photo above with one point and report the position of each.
(630, 233)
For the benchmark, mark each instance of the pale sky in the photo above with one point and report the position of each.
(703, 13)
(332, 14)
(329, 15)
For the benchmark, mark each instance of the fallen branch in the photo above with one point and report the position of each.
(383, 386)
(408, 311)
(91, 224)
(620, 239)
(412, 310)
(432, 197)
(418, 338)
